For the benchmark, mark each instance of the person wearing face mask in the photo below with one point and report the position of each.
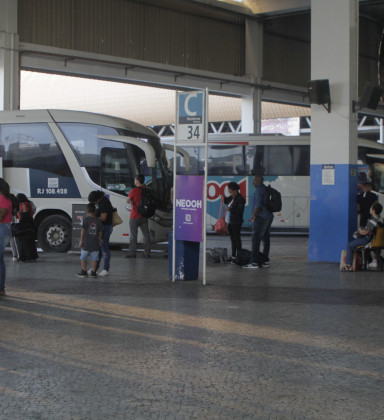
(235, 207)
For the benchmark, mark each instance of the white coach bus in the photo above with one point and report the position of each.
(57, 157)
(285, 163)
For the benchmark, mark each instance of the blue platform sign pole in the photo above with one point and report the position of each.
(190, 192)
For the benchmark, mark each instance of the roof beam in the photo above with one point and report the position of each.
(267, 7)
(259, 7)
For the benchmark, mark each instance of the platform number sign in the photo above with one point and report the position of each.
(190, 117)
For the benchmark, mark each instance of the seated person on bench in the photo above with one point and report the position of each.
(364, 235)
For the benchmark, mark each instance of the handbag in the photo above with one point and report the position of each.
(221, 227)
(116, 219)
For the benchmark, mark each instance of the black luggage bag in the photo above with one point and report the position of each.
(26, 245)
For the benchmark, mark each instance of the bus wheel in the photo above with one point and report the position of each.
(55, 234)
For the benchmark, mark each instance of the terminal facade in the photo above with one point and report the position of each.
(259, 53)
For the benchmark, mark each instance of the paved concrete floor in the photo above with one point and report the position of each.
(299, 340)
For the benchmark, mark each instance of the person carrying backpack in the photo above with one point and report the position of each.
(104, 212)
(138, 220)
(262, 220)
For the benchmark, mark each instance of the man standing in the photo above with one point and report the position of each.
(364, 203)
(104, 211)
(136, 220)
(262, 221)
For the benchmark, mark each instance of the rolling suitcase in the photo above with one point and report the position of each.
(26, 246)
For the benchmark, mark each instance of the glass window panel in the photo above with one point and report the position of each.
(32, 146)
(107, 162)
(225, 160)
(301, 160)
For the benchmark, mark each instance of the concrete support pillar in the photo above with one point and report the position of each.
(9, 56)
(334, 56)
(251, 105)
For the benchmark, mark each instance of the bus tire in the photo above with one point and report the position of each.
(54, 234)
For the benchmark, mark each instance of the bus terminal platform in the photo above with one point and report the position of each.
(299, 340)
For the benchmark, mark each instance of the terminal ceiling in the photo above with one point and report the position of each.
(217, 49)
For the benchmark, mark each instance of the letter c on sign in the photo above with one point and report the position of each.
(186, 104)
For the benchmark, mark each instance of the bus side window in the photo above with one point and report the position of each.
(255, 158)
(301, 163)
(33, 146)
(243, 169)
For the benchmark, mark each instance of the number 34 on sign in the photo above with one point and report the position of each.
(190, 116)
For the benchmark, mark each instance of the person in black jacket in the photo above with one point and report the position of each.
(235, 206)
(25, 238)
(104, 212)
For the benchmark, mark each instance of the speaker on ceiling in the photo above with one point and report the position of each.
(371, 96)
(318, 91)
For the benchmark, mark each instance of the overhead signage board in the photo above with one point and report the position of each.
(190, 117)
(189, 202)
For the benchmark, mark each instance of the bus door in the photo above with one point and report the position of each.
(115, 173)
(120, 178)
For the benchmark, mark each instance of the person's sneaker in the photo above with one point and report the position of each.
(250, 265)
(92, 273)
(232, 260)
(2, 293)
(265, 264)
(373, 264)
(130, 256)
(89, 272)
(15, 259)
(103, 273)
(82, 274)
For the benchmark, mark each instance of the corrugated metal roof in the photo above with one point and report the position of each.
(173, 32)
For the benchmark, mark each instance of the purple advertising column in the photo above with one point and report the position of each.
(189, 208)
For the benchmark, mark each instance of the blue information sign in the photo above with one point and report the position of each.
(190, 117)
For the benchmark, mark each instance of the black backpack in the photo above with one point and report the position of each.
(274, 200)
(243, 257)
(147, 205)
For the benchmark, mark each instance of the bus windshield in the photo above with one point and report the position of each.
(113, 165)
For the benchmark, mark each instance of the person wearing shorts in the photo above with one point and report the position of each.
(90, 241)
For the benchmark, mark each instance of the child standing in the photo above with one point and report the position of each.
(90, 241)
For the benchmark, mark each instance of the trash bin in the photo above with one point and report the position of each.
(187, 259)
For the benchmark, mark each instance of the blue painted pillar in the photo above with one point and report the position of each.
(334, 56)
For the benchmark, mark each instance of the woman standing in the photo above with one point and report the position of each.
(5, 228)
(25, 239)
(235, 206)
